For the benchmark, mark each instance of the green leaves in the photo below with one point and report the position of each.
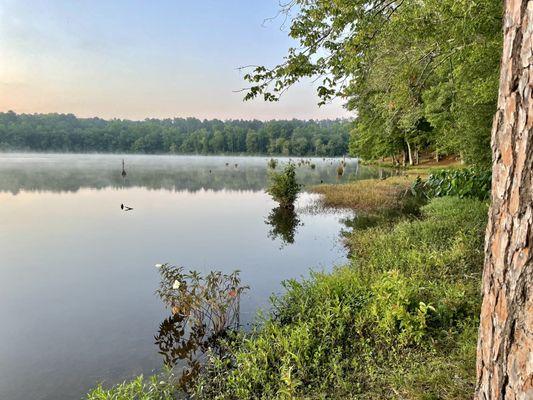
(466, 182)
(283, 186)
(398, 64)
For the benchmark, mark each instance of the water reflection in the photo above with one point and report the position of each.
(71, 172)
(204, 310)
(64, 238)
(284, 223)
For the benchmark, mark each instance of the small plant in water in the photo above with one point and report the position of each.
(204, 310)
(272, 163)
(283, 186)
(340, 170)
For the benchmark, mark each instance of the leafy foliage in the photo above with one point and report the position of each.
(465, 182)
(421, 75)
(204, 309)
(65, 132)
(400, 322)
(211, 300)
(138, 389)
(204, 312)
(284, 187)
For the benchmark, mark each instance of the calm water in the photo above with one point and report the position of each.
(77, 276)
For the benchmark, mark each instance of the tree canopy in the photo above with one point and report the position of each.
(419, 74)
(67, 133)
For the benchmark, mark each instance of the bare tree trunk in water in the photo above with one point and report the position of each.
(505, 344)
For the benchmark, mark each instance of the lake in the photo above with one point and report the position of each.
(77, 275)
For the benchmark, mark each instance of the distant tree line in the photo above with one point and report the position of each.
(67, 133)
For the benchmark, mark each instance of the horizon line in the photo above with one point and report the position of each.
(177, 117)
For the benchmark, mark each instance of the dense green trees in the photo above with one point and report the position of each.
(420, 74)
(65, 132)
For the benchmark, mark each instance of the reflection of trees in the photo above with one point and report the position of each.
(66, 176)
(204, 310)
(284, 222)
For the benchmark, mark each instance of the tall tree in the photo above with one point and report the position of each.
(402, 65)
(505, 346)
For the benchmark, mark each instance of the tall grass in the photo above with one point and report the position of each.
(369, 195)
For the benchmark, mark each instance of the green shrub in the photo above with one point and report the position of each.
(138, 389)
(399, 322)
(283, 186)
(272, 163)
(466, 182)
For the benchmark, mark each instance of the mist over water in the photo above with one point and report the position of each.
(77, 276)
(71, 172)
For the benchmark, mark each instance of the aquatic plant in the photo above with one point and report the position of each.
(283, 186)
(204, 310)
(211, 300)
(272, 163)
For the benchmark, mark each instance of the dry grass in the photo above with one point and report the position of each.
(366, 195)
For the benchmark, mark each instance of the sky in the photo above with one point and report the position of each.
(145, 59)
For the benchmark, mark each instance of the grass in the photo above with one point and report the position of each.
(370, 195)
(138, 389)
(399, 322)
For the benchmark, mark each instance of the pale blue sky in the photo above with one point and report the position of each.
(137, 59)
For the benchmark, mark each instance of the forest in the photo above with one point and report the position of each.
(67, 133)
(420, 76)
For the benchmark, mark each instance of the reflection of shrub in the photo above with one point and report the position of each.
(205, 314)
(283, 186)
(204, 310)
(284, 222)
